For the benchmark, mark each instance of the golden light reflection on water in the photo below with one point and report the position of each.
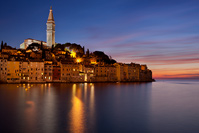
(77, 114)
(92, 105)
(83, 94)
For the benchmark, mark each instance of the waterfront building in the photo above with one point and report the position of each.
(87, 73)
(24, 71)
(3, 70)
(136, 71)
(111, 72)
(145, 73)
(48, 71)
(119, 71)
(36, 71)
(13, 75)
(101, 74)
(130, 73)
(69, 72)
(56, 73)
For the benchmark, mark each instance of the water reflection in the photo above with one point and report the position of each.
(78, 113)
(40, 107)
(107, 107)
(30, 115)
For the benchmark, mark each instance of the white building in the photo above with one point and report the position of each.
(29, 41)
(50, 34)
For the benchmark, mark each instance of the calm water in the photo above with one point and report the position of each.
(162, 106)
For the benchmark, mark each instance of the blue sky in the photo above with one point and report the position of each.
(164, 34)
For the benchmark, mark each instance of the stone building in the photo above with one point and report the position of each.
(48, 71)
(3, 70)
(119, 71)
(13, 75)
(56, 73)
(69, 72)
(50, 34)
(29, 41)
(36, 71)
(50, 37)
(24, 71)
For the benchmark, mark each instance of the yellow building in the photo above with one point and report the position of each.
(101, 74)
(130, 72)
(13, 75)
(119, 71)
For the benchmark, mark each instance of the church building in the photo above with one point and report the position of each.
(50, 34)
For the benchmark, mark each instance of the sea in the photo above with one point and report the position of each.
(164, 106)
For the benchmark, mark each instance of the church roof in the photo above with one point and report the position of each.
(50, 16)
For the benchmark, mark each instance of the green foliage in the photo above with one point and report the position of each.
(102, 57)
(1, 45)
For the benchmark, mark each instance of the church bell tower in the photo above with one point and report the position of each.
(50, 29)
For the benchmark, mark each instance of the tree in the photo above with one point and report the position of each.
(52, 48)
(1, 45)
(87, 53)
(43, 54)
(42, 46)
(5, 44)
(83, 50)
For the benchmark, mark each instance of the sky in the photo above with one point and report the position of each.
(164, 34)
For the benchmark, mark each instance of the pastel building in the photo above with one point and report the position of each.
(87, 73)
(69, 72)
(24, 70)
(3, 70)
(13, 75)
(36, 71)
(101, 74)
(111, 72)
(119, 71)
(48, 71)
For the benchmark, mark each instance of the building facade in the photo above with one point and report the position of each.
(29, 41)
(50, 33)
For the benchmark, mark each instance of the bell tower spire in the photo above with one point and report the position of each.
(50, 29)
